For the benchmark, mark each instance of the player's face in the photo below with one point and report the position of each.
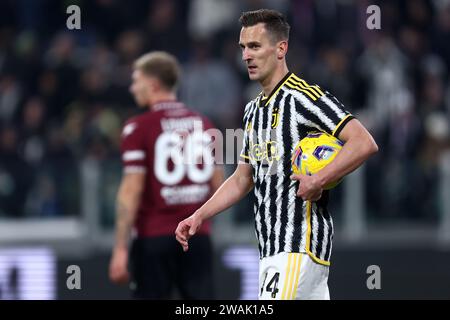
(258, 52)
(140, 88)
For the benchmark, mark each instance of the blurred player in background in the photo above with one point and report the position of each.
(293, 226)
(160, 187)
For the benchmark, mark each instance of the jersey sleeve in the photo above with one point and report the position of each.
(246, 126)
(134, 153)
(326, 113)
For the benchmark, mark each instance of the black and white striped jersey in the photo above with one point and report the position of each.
(272, 127)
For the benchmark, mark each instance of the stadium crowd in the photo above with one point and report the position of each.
(64, 93)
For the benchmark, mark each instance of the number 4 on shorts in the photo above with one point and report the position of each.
(272, 286)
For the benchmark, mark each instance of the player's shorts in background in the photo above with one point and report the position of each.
(159, 266)
(292, 276)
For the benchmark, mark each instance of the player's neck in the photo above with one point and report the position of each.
(162, 97)
(271, 82)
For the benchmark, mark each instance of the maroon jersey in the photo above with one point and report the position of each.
(169, 144)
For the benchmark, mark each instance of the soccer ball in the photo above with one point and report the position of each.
(314, 152)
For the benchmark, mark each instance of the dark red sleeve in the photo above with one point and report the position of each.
(133, 149)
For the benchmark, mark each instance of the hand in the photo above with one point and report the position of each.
(186, 229)
(118, 267)
(309, 188)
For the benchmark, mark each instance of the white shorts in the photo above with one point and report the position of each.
(292, 276)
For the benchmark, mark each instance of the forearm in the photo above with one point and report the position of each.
(217, 179)
(230, 192)
(126, 211)
(352, 155)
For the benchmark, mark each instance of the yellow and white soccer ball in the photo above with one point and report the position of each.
(314, 152)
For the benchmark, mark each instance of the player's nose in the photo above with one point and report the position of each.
(245, 55)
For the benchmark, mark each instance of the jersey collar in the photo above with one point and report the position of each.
(165, 105)
(264, 101)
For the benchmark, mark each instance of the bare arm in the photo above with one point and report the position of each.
(231, 191)
(217, 178)
(359, 146)
(128, 198)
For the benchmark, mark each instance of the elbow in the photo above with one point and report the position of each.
(374, 147)
(371, 148)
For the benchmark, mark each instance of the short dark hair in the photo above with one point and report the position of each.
(160, 65)
(275, 22)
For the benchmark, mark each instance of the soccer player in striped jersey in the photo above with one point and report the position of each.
(293, 226)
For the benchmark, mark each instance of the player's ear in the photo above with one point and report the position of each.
(282, 49)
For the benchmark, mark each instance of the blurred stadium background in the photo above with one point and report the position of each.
(64, 96)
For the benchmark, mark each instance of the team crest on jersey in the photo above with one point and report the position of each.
(128, 129)
(275, 117)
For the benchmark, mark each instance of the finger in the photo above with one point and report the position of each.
(296, 177)
(115, 276)
(304, 195)
(122, 279)
(112, 270)
(179, 236)
(182, 231)
(300, 192)
(316, 196)
(181, 239)
(193, 229)
(182, 242)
